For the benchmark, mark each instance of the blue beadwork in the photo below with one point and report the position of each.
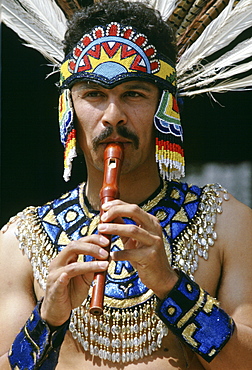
(204, 326)
(34, 347)
(168, 205)
(130, 286)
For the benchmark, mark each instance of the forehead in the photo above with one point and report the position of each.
(129, 85)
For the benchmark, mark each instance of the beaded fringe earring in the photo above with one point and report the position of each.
(67, 131)
(169, 138)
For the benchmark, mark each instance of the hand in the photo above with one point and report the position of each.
(143, 245)
(68, 280)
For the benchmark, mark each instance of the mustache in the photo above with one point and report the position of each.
(122, 131)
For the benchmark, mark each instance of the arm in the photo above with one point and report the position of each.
(234, 228)
(68, 281)
(17, 298)
(144, 249)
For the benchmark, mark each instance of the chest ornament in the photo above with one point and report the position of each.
(129, 328)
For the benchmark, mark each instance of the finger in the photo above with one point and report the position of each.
(141, 256)
(66, 273)
(130, 231)
(82, 268)
(119, 220)
(63, 279)
(118, 209)
(140, 217)
(131, 244)
(105, 206)
(91, 245)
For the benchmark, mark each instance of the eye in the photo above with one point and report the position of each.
(133, 94)
(89, 95)
(93, 94)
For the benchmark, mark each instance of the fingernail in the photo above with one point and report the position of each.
(104, 216)
(105, 206)
(103, 240)
(103, 264)
(103, 253)
(102, 227)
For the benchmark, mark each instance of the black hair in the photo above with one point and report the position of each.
(136, 14)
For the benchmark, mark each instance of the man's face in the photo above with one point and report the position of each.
(123, 114)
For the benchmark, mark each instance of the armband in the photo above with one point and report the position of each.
(35, 347)
(196, 318)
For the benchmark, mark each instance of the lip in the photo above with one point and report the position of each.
(115, 140)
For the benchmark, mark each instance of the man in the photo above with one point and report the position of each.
(177, 249)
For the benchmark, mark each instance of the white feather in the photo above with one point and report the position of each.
(242, 68)
(49, 13)
(165, 7)
(41, 24)
(239, 53)
(231, 85)
(218, 34)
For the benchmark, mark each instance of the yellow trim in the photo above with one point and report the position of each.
(191, 312)
(64, 71)
(188, 333)
(32, 341)
(166, 70)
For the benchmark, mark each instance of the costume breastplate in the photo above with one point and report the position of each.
(129, 328)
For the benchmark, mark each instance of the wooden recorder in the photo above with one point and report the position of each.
(113, 157)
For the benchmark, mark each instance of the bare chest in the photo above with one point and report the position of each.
(172, 355)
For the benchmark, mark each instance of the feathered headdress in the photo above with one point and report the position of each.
(211, 57)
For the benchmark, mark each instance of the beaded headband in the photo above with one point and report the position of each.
(113, 54)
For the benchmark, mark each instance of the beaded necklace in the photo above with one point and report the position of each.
(128, 329)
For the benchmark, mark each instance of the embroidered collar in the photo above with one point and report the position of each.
(173, 203)
(70, 217)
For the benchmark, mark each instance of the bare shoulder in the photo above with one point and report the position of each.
(15, 268)
(234, 225)
(10, 253)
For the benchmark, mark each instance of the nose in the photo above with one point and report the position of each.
(114, 114)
